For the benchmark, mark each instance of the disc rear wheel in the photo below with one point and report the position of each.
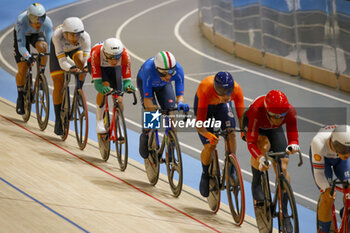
(121, 144)
(152, 162)
(81, 119)
(104, 143)
(214, 183)
(173, 161)
(42, 101)
(235, 189)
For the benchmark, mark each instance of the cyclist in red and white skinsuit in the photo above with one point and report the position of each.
(263, 122)
(110, 68)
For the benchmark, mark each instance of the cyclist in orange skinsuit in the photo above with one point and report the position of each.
(213, 100)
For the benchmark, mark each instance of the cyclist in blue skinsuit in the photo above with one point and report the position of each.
(155, 77)
(34, 28)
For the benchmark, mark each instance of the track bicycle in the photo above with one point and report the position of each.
(76, 111)
(40, 95)
(116, 130)
(173, 159)
(283, 205)
(345, 218)
(230, 179)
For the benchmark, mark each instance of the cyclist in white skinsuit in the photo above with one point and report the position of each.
(68, 40)
(329, 152)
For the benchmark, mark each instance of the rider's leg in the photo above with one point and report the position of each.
(258, 195)
(79, 61)
(206, 160)
(20, 81)
(100, 126)
(58, 80)
(324, 211)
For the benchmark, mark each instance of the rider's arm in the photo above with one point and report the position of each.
(60, 54)
(253, 134)
(47, 27)
(291, 126)
(126, 71)
(179, 80)
(239, 103)
(20, 28)
(86, 46)
(318, 164)
(180, 98)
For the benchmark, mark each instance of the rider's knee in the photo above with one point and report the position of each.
(41, 46)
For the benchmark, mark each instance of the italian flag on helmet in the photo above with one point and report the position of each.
(164, 60)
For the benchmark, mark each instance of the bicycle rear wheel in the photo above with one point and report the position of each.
(173, 161)
(214, 183)
(121, 144)
(264, 214)
(152, 162)
(104, 143)
(289, 219)
(65, 111)
(27, 98)
(81, 119)
(235, 189)
(42, 101)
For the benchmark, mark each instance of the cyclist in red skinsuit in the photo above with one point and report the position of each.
(213, 100)
(110, 67)
(263, 123)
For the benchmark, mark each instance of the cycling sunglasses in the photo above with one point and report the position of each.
(113, 57)
(36, 19)
(340, 148)
(163, 72)
(277, 115)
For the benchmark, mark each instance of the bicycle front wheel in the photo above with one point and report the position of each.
(288, 220)
(121, 144)
(27, 98)
(235, 189)
(65, 111)
(152, 161)
(214, 183)
(42, 101)
(104, 142)
(173, 161)
(81, 119)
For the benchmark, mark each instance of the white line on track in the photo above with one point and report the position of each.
(118, 33)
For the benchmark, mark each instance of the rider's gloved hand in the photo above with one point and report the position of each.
(30, 61)
(74, 69)
(292, 148)
(100, 88)
(128, 85)
(213, 140)
(263, 164)
(182, 106)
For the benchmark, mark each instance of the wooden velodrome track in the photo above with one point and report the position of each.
(47, 185)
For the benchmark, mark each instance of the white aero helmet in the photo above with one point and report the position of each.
(341, 139)
(73, 25)
(164, 60)
(36, 13)
(113, 48)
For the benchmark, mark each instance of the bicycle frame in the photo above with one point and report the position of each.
(112, 132)
(161, 148)
(346, 191)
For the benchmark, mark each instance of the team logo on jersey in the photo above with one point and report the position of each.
(317, 157)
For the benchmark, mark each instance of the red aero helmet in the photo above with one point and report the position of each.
(276, 102)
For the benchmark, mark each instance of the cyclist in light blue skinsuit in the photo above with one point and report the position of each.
(155, 77)
(34, 28)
